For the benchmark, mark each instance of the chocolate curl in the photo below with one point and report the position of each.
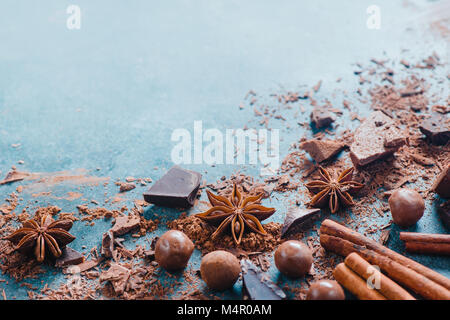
(388, 288)
(338, 231)
(424, 243)
(355, 284)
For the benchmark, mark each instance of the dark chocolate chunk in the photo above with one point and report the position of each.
(322, 150)
(257, 285)
(444, 213)
(322, 117)
(297, 219)
(69, 257)
(376, 138)
(442, 184)
(436, 129)
(177, 188)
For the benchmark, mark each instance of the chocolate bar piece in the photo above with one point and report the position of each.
(69, 257)
(177, 188)
(376, 138)
(256, 284)
(442, 184)
(322, 150)
(436, 129)
(322, 117)
(297, 219)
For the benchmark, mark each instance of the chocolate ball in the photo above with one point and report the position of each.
(325, 290)
(407, 207)
(173, 250)
(220, 270)
(293, 258)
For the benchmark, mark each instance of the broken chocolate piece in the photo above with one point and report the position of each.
(257, 285)
(123, 278)
(377, 137)
(436, 129)
(107, 244)
(444, 213)
(322, 150)
(297, 219)
(125, 224)
(69, 257)
(442, 184)
(322, 117)
(177, 188)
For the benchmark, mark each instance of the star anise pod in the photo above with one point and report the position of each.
(238, 212)
(332, 190)
(42, 236)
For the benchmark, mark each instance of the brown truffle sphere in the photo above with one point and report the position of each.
(293, 258)
(325, 290)
(173, 250)
(407, 207)
(220, 270)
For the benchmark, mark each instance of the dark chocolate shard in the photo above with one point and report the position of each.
(442, 184)
(436, 129)
(125, 224)
(322, 150)
(257, 285)
(377, 137)
(322, 117)
(297, 219)
(177, 188)
(69, 257)
(444, 213)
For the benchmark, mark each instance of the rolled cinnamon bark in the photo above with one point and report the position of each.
(396, 271)
(337, 230)
(426, 243)
(355, 284)
(387, 287)
(425, 237)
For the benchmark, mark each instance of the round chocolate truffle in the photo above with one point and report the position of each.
(325, 290)
(173, 250)
(293, 258)
(220, 270)
(407, 207)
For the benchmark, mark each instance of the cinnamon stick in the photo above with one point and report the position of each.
(425, 243)
(396, 271)
(387, 287)
(335, 229)
(355, 284)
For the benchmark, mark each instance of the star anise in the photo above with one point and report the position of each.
(41, 236)
(333, 190)
(238, 212)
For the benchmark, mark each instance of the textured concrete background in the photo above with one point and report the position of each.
(109, 95)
